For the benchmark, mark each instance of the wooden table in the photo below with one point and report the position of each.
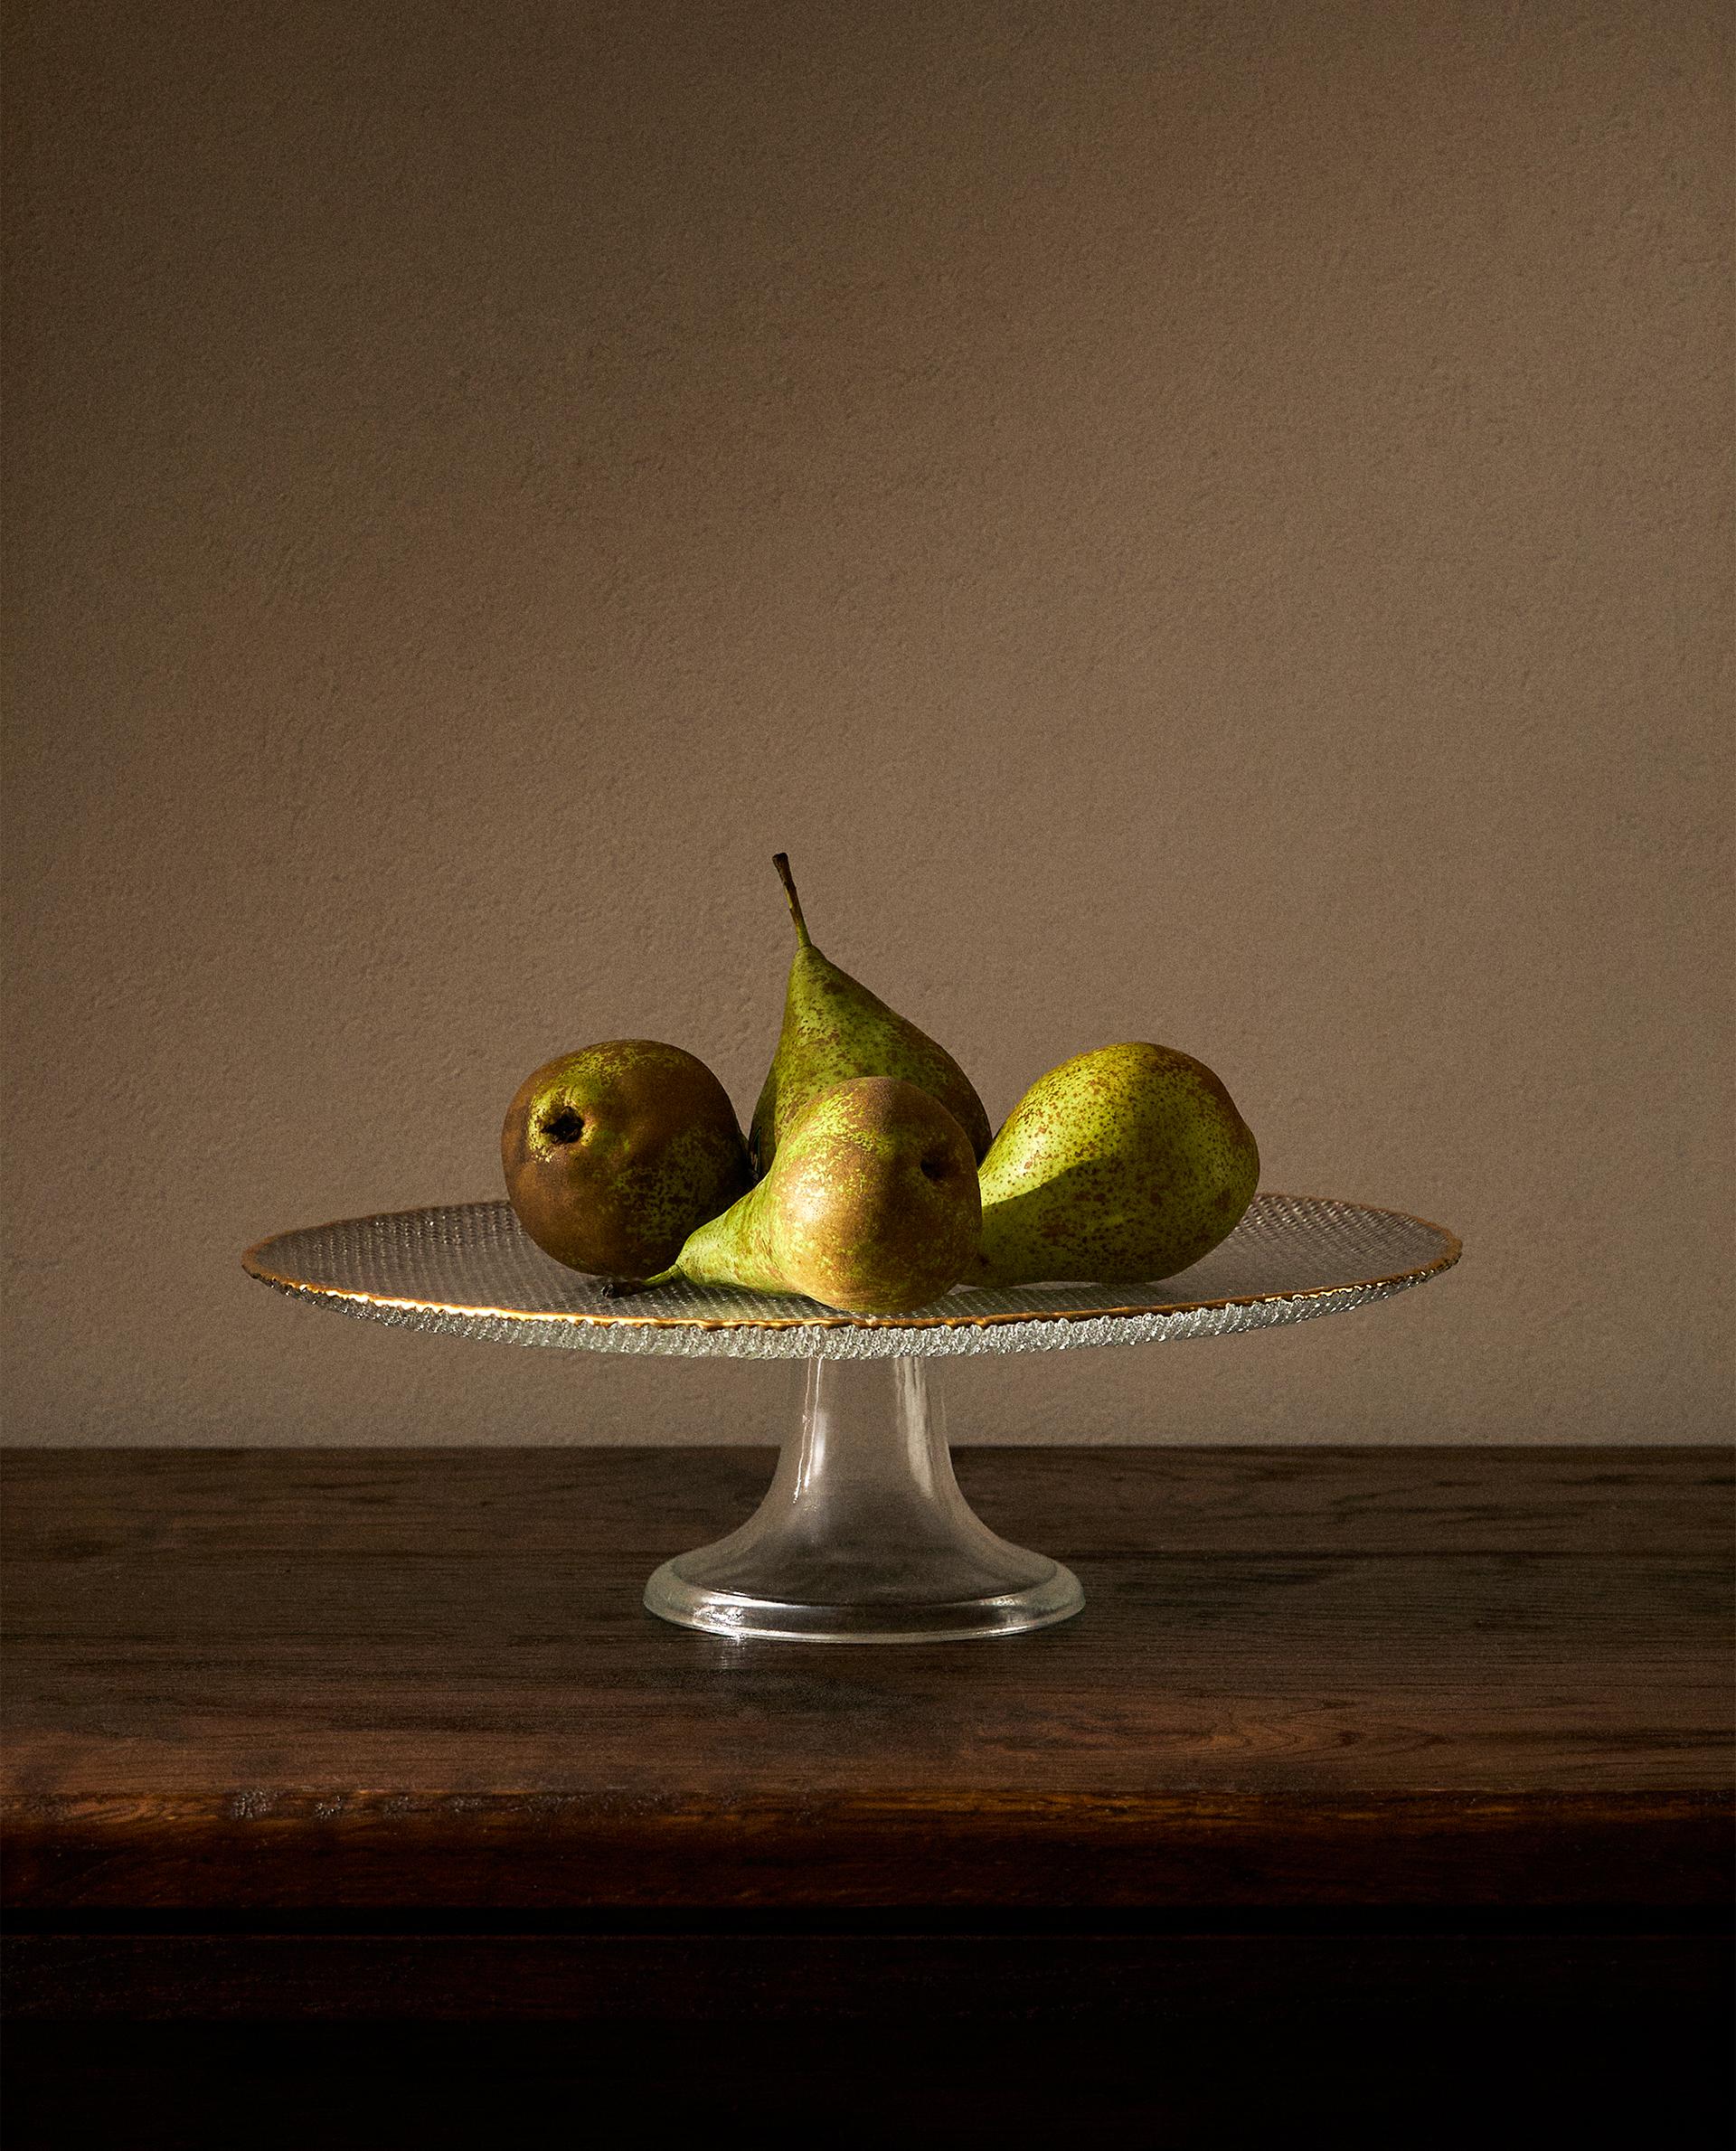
(1434, 1742)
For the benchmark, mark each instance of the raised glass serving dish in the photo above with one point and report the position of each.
(864, 1535)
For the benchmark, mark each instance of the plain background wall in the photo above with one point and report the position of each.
(1195, 521)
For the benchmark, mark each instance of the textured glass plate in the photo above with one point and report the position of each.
(470, 1270)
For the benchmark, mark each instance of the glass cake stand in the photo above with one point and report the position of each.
(864, 1536)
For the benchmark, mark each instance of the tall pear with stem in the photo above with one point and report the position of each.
(836, 1030)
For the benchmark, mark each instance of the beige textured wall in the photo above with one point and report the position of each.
(1196, 521)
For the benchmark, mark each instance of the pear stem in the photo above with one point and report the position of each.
(781, 862)
(626, 1287)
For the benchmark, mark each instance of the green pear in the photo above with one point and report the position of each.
(835, 1029)
(872, 1205)
(1124, 1165)
(614, 1154)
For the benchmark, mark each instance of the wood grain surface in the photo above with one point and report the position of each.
(1304, 1678)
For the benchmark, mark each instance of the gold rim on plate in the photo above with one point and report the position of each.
(254, 1262)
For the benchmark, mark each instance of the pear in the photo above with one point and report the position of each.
(614, 1154)
(871, 1205)
(835, 1029)
(1124, 1165)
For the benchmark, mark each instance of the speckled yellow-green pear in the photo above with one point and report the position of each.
(833, 1030)
(1121, 1165)
(872, 1205)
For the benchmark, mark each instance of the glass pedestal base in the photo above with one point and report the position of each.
(864, 1536)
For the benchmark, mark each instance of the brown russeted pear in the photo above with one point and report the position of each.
(833, 1030)
(1121, 1165)
(870, 1205)
(614, 1154)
